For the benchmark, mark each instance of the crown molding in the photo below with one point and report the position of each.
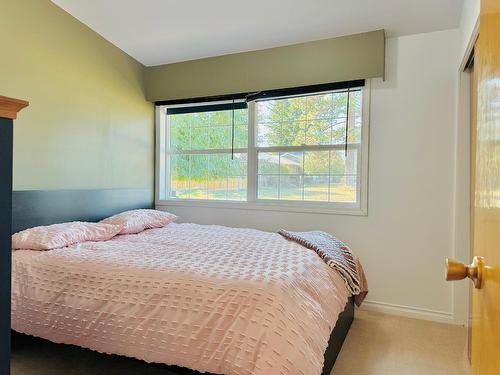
(9, 107)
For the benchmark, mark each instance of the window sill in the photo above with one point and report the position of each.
(268, 206)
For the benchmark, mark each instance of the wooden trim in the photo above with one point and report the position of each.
(9, 107)
(410, 312)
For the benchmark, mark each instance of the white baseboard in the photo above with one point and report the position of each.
(409, 312)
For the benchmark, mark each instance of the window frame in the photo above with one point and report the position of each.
(253, 203)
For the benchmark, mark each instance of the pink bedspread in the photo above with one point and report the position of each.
(211, 298)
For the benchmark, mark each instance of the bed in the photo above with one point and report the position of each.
(210, 298)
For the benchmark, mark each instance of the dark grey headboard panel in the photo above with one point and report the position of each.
(32, 208)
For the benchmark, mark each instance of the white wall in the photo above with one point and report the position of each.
(409, 228)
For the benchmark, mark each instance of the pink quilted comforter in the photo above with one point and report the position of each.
(211, 298)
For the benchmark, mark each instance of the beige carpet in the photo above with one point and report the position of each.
(376, 345)
(380, 344)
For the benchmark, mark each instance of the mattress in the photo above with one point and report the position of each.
(210, 298)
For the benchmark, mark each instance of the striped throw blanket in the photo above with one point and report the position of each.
(335, 254)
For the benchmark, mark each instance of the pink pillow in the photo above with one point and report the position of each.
(62, 235)
(136, 221)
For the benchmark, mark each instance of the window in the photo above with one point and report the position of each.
(202, 162)
(303, 152)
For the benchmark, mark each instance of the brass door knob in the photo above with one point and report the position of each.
(457, 271)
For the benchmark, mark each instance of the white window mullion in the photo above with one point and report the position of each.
(252, 153)
(306, 148)
(207, 151)
(167, 166)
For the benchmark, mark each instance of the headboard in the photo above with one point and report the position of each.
(31, 208)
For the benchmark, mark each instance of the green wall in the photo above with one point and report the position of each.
(88, 124)
(343, 58)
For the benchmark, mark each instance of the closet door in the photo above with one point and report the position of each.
(486, 187)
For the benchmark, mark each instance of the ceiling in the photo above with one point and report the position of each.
(163, 31)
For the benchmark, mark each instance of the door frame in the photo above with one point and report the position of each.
(461, 192)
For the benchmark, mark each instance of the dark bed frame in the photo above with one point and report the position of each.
(34, 208)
